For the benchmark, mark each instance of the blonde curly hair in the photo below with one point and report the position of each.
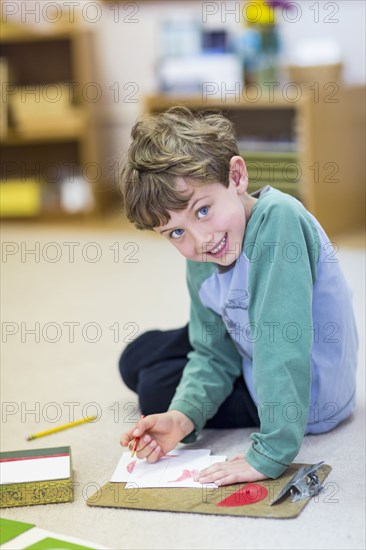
(175, 143)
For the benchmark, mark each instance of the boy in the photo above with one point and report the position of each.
(272, 336)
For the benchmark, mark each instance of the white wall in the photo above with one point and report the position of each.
(342, 21)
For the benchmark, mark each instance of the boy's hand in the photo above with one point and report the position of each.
(235, 470)
(158, 433)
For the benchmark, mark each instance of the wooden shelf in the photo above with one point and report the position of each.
(60, 132)
(13, 33)
(41, 134)
(162, 102)
(330, 142)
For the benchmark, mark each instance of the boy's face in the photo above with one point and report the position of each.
(211, 228)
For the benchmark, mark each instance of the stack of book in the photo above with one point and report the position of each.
(38, 476)
(272, 163)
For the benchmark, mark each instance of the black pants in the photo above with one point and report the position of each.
(152, 366)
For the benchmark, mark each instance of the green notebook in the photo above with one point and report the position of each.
(50, 544)
(9, 529)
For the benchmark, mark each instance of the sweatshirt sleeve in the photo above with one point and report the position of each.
(282, 274)
(213, 365)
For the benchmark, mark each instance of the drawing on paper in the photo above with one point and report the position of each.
(130, 466)
(187, 474)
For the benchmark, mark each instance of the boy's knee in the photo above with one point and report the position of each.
(126, 367)
(152, 398)
(134, 358)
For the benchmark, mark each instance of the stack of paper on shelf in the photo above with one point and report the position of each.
(46, 110)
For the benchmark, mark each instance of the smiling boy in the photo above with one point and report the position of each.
(271, 338)
(224, 211)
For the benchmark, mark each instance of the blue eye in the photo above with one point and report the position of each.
(202, 212)
(176, 233)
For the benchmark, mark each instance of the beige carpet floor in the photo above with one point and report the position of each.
(70, 301)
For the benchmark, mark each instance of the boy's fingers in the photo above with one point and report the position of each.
(235, 457)
(126, 439)
(143, 425)
(154, 456)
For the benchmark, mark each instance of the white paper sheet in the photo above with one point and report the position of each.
(35, 469)
(176, 469)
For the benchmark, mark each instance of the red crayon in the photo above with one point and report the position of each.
(136, 442)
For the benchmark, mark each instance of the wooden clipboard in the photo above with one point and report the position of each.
(205, 500)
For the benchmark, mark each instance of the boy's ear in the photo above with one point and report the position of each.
(238, 174)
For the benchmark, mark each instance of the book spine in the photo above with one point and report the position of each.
(42, 492)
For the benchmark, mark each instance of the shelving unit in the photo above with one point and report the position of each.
(47, 133)
(321, 140)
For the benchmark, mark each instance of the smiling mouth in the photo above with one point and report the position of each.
(219, 247)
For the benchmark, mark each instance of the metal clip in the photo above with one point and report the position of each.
(304, 484)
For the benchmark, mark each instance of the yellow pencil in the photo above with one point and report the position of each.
(59, 428)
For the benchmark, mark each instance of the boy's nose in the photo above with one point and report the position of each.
(203, 241)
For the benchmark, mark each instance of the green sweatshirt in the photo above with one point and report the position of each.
(257, 319)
